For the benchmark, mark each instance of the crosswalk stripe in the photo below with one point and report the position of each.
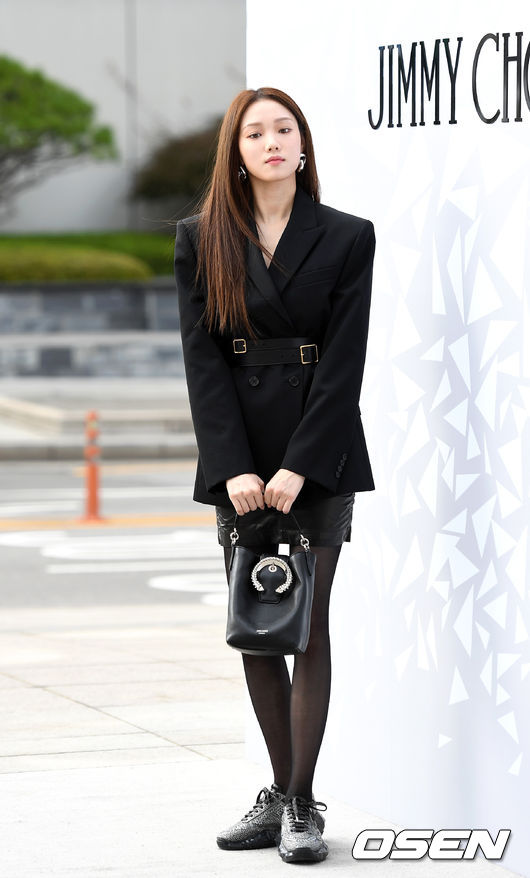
(132, 566)
(215, 584)
(38, 506)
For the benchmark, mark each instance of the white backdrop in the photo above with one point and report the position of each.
(429, 720)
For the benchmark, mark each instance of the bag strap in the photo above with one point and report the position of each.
(234, 536)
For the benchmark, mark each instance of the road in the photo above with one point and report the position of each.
(155, 544)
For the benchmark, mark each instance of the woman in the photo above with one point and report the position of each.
(274, 356)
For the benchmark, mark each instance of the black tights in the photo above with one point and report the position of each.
(292, 716)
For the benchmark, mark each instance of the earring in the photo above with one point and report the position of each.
(242, 173)
(301, 166)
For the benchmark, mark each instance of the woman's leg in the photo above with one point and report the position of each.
(312, 680)
(269, 687)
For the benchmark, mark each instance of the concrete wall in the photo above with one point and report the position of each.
(153, 68)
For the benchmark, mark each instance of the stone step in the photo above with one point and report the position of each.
(44, 418)
(14, 445)
(62, 420)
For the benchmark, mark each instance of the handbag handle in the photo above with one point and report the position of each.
(234, 536)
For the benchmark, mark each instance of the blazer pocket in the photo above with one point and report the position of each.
(314, 276)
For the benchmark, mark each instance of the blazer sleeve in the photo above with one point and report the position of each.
(216, 413)
(323, 437)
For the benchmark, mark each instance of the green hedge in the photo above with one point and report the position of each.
(46, 262)
(154, 249)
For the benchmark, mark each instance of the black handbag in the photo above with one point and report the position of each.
(270, 599)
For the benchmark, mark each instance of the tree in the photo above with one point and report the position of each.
(44, 127)
(179, 166)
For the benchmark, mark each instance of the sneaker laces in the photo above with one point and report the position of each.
(264, 798)
(300, 812)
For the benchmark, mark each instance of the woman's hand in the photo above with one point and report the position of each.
(283, 489)
(246, 492)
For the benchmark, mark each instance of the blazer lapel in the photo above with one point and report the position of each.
(298, 239)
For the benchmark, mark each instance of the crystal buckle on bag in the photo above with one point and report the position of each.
(272, 562)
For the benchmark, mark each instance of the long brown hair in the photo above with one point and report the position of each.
(224, 213)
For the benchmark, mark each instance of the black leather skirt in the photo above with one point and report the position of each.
(325, 523)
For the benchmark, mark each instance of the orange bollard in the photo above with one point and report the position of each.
(91, 453)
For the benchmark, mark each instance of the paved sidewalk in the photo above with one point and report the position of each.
(122, 751)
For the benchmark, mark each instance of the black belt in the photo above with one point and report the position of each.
(268, 351)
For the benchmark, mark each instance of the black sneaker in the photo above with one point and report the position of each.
(300, 839)
(259, 827)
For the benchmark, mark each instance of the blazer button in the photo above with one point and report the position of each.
(253, 380)
(344, 456)
(337, 474)
(294, 380)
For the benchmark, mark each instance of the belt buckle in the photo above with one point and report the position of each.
(241, 350)
(302, 353)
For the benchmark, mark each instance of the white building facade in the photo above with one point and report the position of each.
(151, 68)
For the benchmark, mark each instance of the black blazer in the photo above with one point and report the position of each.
(305, 418)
